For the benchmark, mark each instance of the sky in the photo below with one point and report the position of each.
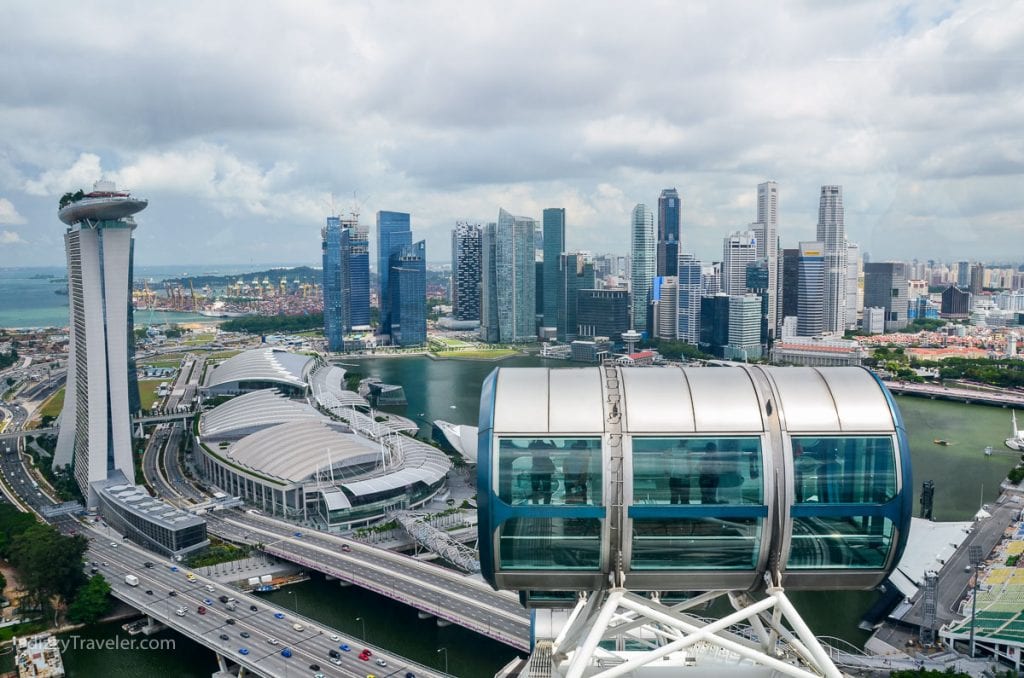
(246, 124)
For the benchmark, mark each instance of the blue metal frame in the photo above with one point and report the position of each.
(902, 507)
(484, 498)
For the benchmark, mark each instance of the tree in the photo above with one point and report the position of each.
(91, 602)
(3, 581)
(49, 564)
(12, 523)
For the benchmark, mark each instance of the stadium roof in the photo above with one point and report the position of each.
(261, 364)
(421, 463)
(252, 412)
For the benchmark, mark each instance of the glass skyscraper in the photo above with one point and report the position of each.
(554, 246)
(346, 279)
(811, 290)
(466, 271)
(393, 233)
(644, 264)
(832, 236)
(577, 273)
(407, 286)
(509, 278)
(688, 299)
(669, 210)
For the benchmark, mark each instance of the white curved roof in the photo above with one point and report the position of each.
(294, 451)
(328, 385)
(261, 364)
(251, 412)
(421, 463)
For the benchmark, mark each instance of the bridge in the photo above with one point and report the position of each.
(438, 541)
(54, 428)
(448, 595)
(1002, 398)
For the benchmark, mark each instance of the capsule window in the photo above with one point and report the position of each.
(843, 470)
(550, 471)
(550, 544)
(696, 543)
(824, 542)
(706, 470)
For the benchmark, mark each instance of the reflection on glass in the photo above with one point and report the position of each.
(844, 470)
(830, 542)
(695, 543)
(688, 471)
(559, 471)
(550, 544)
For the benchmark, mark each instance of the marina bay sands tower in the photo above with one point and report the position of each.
(95, 433)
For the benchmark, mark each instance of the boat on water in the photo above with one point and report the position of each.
(941, 441)
(988, 451)
(1015, 441)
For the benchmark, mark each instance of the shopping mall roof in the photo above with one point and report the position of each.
(253, 412)
(262, 364)
(135, 499)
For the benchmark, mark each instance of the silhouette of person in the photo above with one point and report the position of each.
(709, 477)
(575, 471)
(678, 476)
(541, 470)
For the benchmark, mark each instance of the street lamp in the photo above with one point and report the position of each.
(295, 598)
(360, 619)
(974, 553)
(445, 650)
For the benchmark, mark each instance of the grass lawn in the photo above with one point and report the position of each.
(221, 355)
(160, 363)
(449, 342)
(147, 391)
(53, 405)
(200, 339)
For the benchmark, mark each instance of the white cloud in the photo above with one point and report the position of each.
(10, 238)
(81, 174)
(9, 214)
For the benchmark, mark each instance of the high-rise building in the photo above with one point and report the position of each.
(714, 324)
(977, 278)
(885, 287)
(95, 436)
(811, 290)
(963, 273)
(509, 275)
(832, 235)
(689, 282)
(407, 287)
(669, 212)
(738, 251)
(758, 279)
(744, 327)
(956, 303)
(346, 279)
(790, 282)
(393, 234)
(466, 271)
(576, 272)
(854, 285)
(664, 312)
(644, 263)
(554, 247)
(602, 313)
(766, 230)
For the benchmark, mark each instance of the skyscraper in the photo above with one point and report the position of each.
(393, 233)
(644, 264)
(576, 273)
(766, 230)
(664, 317)
(790, 282)
(602, 313)
(885, 287)
(95, 435)
(811, 290)
(738, 251)
(854, 286)
(466, 271)
(407, 286)
(744, 327)
(669, 210)
(688, 299)
(554, 246)
(832, 235)
(509, 276)
(346, 279)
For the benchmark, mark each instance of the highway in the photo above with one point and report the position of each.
(267, 633)
(1003, 397)
(468, 602)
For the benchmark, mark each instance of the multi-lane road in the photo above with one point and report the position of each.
(263, 631)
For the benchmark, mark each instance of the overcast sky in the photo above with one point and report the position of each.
(239, 121)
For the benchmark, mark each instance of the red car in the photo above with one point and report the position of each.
(364, 656)
(202, 610)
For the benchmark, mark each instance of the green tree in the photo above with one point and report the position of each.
(12, 523)
(49, 564)
(91, 602)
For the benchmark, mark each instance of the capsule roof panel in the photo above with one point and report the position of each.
(539, 400)
(673, 400)
(830, 399)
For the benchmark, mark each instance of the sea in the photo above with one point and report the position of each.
(31, 297)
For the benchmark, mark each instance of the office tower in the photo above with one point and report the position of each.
(854, 284)
(811, 290)
(664, 312)
(602, 313)
(874, 320)
(963, 273)
(738, 250)
(332, 284)
(956, 303)
(576, 272)
(554, 246)
(766, 230)
(393, 234)
(790, 281)
(95, 435)
(832, 236)
(644, 264)
(711, 278)
(355, 257)
(466, 271)
(669, 209)
(977, 278)
(346, 279)
(885, 287)
(407, 288)
(689, 282)
(509, 276)
(744, 327)
(714, 324)
(758, 279)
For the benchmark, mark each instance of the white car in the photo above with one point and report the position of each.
(335, 637)
(209, 587)
(298, 627)
(272, 641)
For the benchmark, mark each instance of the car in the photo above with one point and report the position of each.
(345, 648)
(346, 548)
(201, 610)
(207, 601)
(149, 592)
(243, 650)
(104, 563)
(278, 615)
(174, 568)
(365, 657)
(381, 662)
(333, 653)
(148, 565)
(190, 577)
(272, 641)
(229, 621)
(244, 634)
(112, 545)
(298, 627)
(172, 593)
(224, 636)
(209, 587)
(254, 608)
(180, 612)
(314, 667)
(410, 674)
(335, 660)
(298, 534)
(286, 653)
(368, 652)
(335, 637)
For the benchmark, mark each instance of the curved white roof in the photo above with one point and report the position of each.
(328, 385)
(261, 364)
(421, 462)
(294, 451)
(251, 412)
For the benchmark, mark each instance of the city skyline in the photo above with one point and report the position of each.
(239, 157)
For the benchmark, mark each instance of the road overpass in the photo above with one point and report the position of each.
(267, 633)
(1003, 398)
(448, 595)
